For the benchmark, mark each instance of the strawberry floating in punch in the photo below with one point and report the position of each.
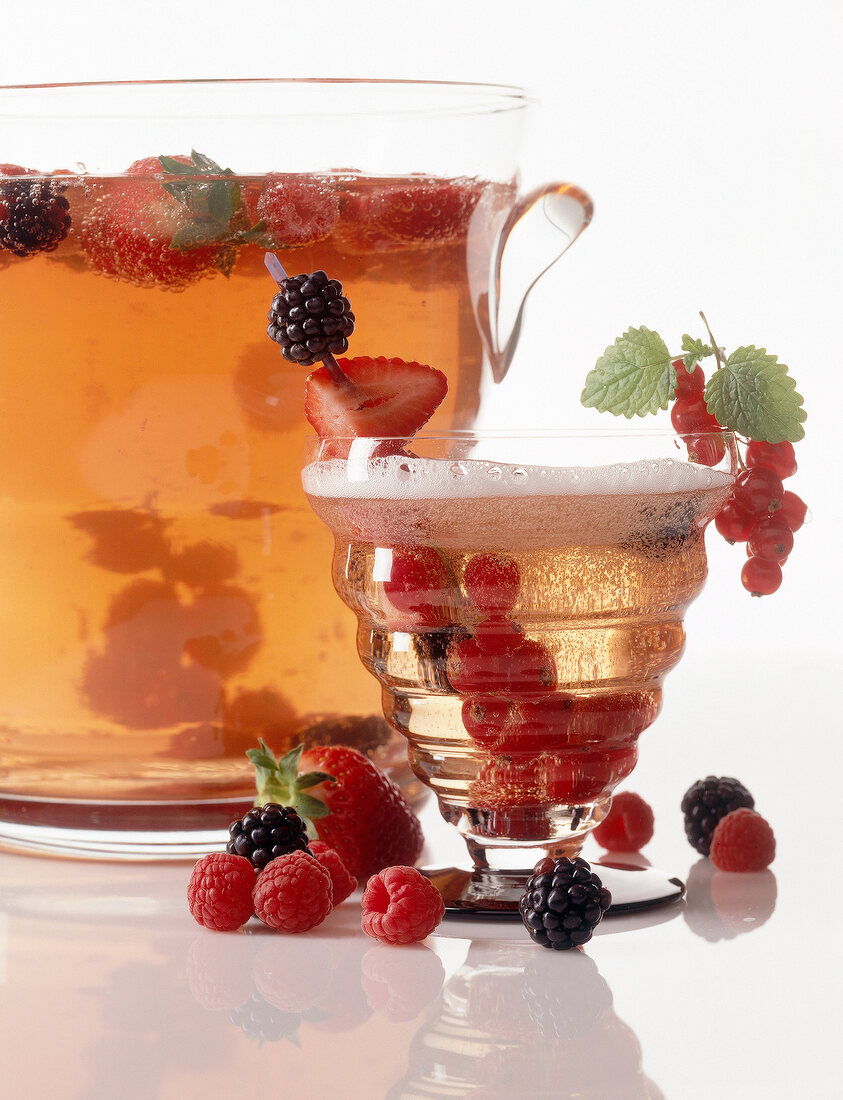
(311, 320)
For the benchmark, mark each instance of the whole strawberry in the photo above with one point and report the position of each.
(353, 806)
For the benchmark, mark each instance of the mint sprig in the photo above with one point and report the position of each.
(210, 194)
(753, 395)
(694, 351)
(278, 780)
(633, 377)
(750, 392)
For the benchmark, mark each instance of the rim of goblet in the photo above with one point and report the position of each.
(479, 95)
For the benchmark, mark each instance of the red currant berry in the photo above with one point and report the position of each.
(707, 450)
(486, 718)
(689, 416)
(546, 721)
(531, 669)
(419, 584)
(761, 577)
(613, 717)
(778, 457)
(759, 491)
(771, 539)
(498, 635)
(473, 672)
(492, 582)
(793, 510)
(688, 384)
(733, 523)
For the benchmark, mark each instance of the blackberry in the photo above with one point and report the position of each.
(309, 318)
(34, 215)
(563, 903)
(705, 802)
(265, 833)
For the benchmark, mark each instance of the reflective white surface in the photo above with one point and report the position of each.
(109, 989)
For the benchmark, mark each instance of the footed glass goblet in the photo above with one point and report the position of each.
(520, 598)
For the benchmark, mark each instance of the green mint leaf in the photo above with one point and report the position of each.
(695, 350)
(633, 377)
(177, 168)
(754, 395)
(221, 201)
(225, 259)
(312, 779)
(203, 163)
(189, 236)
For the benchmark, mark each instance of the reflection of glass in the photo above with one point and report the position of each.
(511, 1024)
(161, 606)
(521, 616)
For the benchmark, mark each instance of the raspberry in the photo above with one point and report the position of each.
(343, 883)
(705, 802)
(424, 210)
(309, 317)
(628, 825)
(297, 211)
(219, 893)
(293, 893)
(400, 905)
(563, 903)
(267, 832)
(743, 841)
(34, 214)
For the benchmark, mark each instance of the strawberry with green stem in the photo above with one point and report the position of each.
(346, 801)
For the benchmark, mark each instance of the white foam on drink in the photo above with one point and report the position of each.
(401, 478)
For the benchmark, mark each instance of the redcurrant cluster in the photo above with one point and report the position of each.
(760, 512)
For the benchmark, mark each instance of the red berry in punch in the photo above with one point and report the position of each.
(419, 584)
(492, 582)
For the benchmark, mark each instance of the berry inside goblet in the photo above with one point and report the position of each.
(520, 598)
